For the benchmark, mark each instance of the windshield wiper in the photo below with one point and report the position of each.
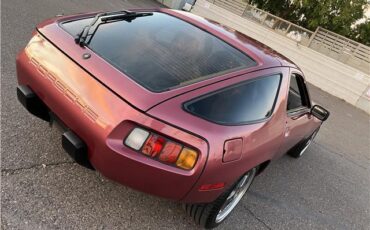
(82, 38)
(127, 16)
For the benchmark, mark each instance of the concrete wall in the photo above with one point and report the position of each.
(174, 4)
(322, 71)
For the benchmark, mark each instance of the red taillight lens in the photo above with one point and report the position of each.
(153, 145)
(161, 148)
(170, 152)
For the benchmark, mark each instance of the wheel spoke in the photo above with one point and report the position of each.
(231, 195)
(243, 180)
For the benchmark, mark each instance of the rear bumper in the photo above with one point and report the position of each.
(72, 144)
(101, 120)
(32, 102)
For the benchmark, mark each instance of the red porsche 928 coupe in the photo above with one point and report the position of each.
(168, 103)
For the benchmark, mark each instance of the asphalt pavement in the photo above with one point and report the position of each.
(41, 188)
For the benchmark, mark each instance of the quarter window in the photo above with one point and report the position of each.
(250, 101)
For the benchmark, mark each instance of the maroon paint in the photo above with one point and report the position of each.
(103, 118)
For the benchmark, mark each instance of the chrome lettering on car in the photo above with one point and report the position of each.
(66, 91)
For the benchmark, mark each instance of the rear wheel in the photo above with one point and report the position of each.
(301, 148)
(212, 214)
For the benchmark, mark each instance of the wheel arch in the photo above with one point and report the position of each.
(262, 167)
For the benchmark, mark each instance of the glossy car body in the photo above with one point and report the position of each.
(101, 105)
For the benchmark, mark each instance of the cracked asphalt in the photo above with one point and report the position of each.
(41, 188)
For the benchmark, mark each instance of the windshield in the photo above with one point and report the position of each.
(162, 52)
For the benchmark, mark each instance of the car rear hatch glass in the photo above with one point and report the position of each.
(161, 52)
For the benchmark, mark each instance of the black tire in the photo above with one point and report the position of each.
(298, 150)
(205, 214)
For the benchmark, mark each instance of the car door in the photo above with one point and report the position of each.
(298, 116)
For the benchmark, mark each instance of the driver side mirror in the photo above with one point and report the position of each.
(320, 112)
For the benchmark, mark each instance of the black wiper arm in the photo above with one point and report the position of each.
(81, 38)
(128, 16)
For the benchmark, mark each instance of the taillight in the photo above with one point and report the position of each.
(161, 148)
(170, 152)
(187, 158)
(136, 138)
(153, 146)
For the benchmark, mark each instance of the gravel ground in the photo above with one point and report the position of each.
(328, 188)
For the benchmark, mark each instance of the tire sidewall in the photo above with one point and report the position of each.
(296, 150)
(218, 203)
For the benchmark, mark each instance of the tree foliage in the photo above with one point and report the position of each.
(336, 15)
(362, 33)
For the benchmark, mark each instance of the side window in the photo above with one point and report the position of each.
(298, 96)
(246, 102)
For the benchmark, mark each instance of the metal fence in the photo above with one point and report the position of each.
(341, 48)
(324, 41)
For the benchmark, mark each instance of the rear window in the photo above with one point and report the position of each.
(244, 103)
(161, 52)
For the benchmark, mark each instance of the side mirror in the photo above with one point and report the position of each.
(319, 112)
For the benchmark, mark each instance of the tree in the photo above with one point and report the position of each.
(335, 15)
(285, 9)
(361, 33)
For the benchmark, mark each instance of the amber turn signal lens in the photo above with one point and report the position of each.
(187, 158)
